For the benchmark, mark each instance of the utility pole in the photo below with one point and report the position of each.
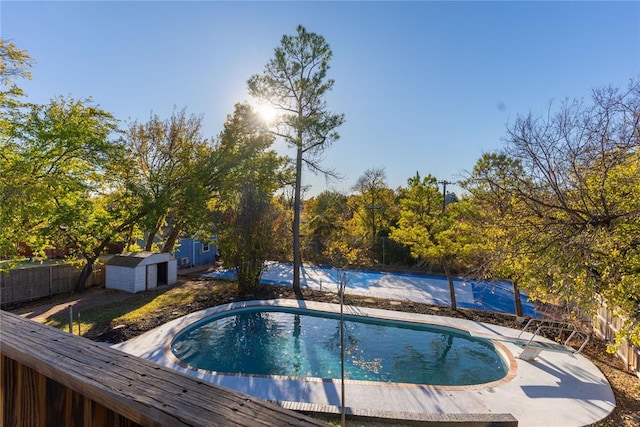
(444, 192)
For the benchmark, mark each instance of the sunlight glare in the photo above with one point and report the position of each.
(267, 112)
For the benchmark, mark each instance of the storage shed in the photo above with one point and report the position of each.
(139, 271)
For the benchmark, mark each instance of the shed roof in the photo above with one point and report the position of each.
(130, 259)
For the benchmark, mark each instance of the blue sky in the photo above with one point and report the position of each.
(424, 86)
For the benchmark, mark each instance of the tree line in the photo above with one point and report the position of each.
(556, 211)
(71, 176)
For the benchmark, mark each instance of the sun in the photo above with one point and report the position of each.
(267, 112)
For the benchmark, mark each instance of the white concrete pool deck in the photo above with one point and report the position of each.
(555, 389)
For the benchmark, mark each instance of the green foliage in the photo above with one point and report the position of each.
(434, 235)
(295, 83)
(421, 204)
(14, 64)
(280, 248)
(243, 172)
(54, 169)
(247, 234)
(57, 185)
(164, 173)
(431, 233)
(69, 181)
(243, 152)
(563, 204)
(325, 226)
(179, 176)
(374, 210)
(499, 230)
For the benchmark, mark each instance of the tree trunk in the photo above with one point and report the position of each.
(129, 239)
(452, 289)
(87, 269)
(95, 253)
(516, 299)
(171, 240)
(151, 237)
(297, 258)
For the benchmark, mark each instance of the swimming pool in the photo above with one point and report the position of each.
(557, 389)
(295, 342)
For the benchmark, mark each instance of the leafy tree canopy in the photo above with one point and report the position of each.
(565, 195)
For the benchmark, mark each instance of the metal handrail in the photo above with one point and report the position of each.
(553, 325)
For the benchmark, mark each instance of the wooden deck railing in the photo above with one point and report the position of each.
(51, 378)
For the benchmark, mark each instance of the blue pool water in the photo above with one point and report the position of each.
(303, 343)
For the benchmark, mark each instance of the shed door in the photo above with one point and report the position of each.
(152, 276)
(163, 273)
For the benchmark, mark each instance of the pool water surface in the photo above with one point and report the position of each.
(305, 343)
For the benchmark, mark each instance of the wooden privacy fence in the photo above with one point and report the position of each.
(606, 324)
(26, 284)
(51, 378)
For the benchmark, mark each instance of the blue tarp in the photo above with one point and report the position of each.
(478, 295)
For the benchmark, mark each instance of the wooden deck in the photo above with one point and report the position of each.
(51, 378)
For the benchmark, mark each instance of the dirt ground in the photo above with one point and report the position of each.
(626, 386)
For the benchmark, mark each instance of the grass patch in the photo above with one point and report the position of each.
(175, 297)
(137, 309)
(92, 317)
